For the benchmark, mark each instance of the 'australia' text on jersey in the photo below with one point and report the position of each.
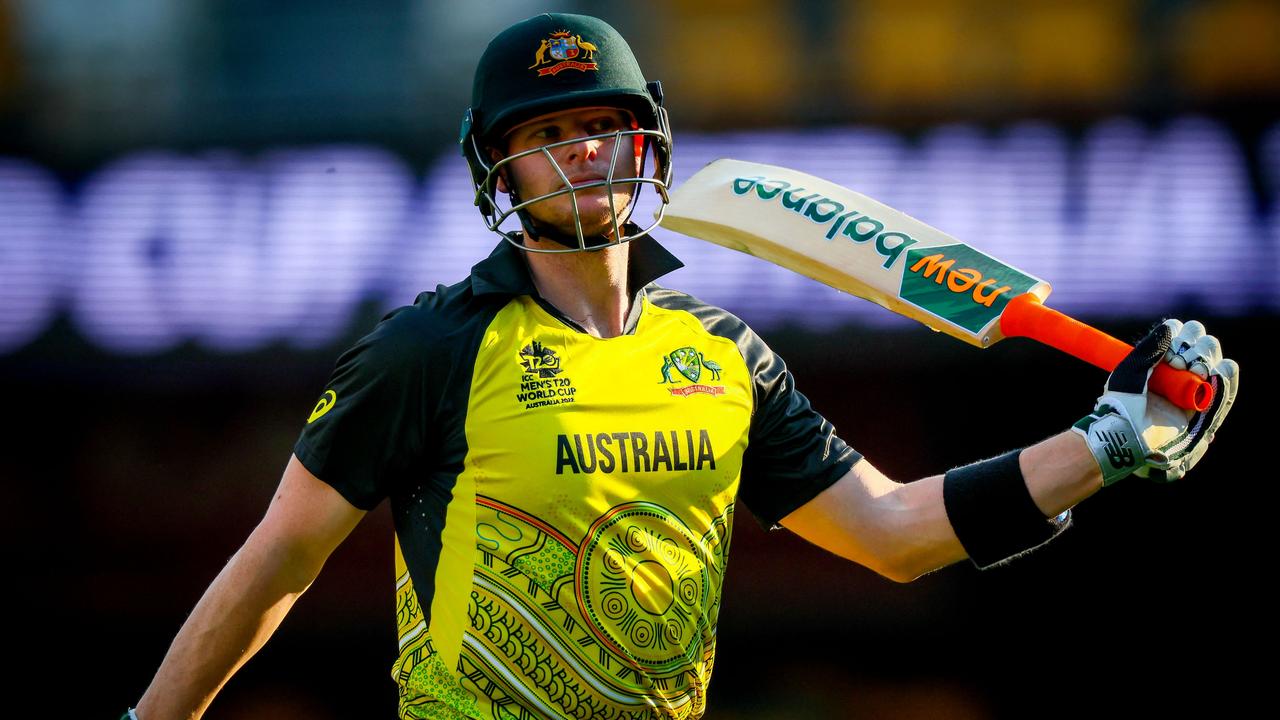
(647, 452)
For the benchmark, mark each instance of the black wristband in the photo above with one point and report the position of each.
(992, 512)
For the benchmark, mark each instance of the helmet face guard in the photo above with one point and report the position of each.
(578, 62)
(645, 141)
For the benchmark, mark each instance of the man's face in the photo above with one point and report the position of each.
(582, 162)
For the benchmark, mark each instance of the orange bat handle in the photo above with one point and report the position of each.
(1026, 316)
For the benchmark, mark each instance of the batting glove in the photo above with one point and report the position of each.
(1133, 432)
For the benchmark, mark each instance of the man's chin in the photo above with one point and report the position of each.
(568, 237)
(593, 226)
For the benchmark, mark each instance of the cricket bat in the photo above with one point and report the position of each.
(857, 245)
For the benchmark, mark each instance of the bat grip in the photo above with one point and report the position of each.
(1026, 316)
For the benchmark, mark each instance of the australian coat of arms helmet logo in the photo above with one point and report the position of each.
(564, 51)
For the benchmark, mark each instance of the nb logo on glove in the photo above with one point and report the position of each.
(1119, 455)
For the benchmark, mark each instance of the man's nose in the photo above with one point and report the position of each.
(587, 149)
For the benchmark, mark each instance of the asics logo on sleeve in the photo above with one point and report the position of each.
(327, 401)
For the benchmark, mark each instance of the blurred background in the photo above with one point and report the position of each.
(202, 203)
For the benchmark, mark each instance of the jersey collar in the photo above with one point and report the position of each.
(506, 272)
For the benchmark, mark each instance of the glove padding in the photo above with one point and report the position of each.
(1135, 432)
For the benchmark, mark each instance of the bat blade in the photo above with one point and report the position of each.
(855, 244)
(851, 242)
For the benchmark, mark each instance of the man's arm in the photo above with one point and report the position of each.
(901, 530)
(904, 531)
(306, 520)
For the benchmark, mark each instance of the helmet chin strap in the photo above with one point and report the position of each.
(536, 230)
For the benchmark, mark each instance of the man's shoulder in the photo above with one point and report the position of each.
(714, 318)
(435, 321)
(446, 309)
(717, 321)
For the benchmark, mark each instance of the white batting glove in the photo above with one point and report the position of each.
(1135, 432)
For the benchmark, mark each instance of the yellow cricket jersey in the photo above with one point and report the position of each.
(563, 503)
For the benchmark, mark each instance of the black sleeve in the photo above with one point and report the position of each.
(368, 428)
(793, 453)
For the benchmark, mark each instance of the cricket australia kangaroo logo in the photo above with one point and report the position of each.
(690, 363)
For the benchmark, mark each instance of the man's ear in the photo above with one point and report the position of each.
(495, 156)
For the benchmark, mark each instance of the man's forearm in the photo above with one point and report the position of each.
(903, 531)
(1059, 473)
(237, 614)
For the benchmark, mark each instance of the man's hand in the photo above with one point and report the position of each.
(1135, 432)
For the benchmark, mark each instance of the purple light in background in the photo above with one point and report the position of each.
(233, 253)
(335, 215)
(1213, 237)
(443, 236)
(1165, 216)
(123, 239)
(32, 252)
(1105, 226)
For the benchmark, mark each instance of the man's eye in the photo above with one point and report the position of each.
(602, 125)
(545, 134)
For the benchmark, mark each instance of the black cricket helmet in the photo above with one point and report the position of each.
(553, 62)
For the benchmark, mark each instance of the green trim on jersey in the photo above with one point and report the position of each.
(564, 503)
